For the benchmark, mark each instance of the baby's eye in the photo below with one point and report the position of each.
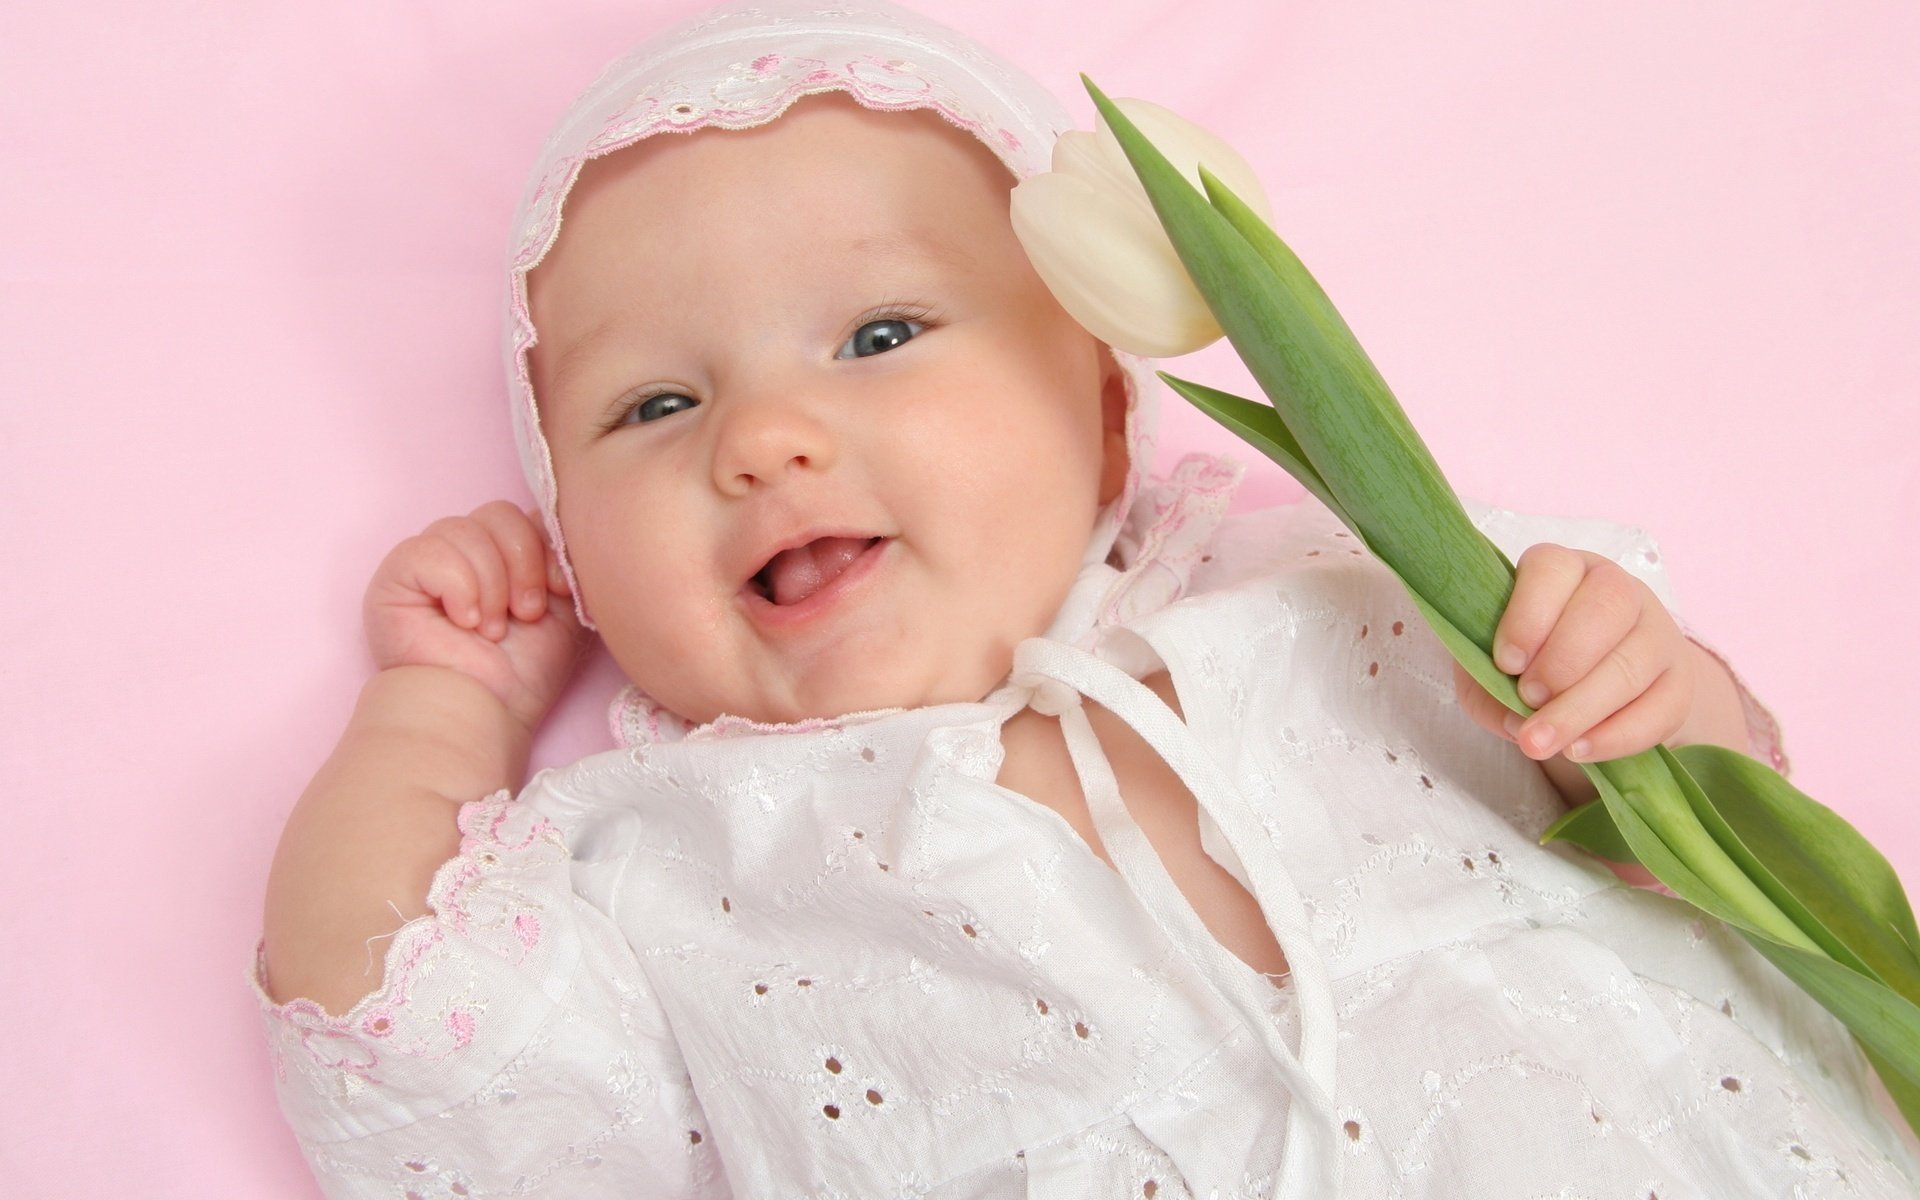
(661, 404)
(876, 336)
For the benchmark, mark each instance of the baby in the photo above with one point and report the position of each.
(990, 819)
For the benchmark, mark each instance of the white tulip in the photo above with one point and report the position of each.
(1093, 238)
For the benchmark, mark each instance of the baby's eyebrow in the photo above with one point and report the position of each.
(904, 244)
(580, 351)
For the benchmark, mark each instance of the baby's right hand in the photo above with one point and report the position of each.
(483, 595)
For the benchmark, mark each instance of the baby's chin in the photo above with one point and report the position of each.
(847, 695)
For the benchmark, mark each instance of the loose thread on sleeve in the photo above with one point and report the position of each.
(380, 936)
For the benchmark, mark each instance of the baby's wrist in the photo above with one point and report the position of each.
(1717, 717)
(460, 726)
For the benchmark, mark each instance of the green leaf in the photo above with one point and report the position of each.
(1280, 259)
(1590, 828)
(1350, 428)
(1260, 426)
(1653, 801)
(1653, 851)
(1814, 864)
(1885, 1022)
(1750, 865)
(1904, 1092)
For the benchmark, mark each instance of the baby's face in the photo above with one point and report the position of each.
(824, 442)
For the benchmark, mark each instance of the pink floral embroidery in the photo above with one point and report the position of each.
(728, 724)
(637, 719)
(496, 833)
(338, 1050)
(1167, 532)
(460, 1025)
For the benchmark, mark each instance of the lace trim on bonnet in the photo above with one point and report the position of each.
(744, 65)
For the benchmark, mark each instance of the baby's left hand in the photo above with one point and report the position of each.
(1599, 658)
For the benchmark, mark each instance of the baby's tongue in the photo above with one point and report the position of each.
(795, 574)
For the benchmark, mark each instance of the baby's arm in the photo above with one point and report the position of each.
(474, 635)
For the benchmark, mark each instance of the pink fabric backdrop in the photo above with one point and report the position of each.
(1637, 260)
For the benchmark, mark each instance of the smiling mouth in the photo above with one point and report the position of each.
(792, 575)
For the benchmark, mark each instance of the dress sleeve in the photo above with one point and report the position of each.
(513, 1046)
(1634, 549)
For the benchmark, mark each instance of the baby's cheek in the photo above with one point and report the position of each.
(650, 614)
(682, 664)
(1043, 559)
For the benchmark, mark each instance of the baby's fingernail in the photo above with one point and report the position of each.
(1579, 750)
(554, 578)
(473, 617)
(1541, 737)
(1509, 658)
(530, 603)
(1512, 722)
(1534, 692)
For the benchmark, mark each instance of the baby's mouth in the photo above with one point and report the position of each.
(792, 575)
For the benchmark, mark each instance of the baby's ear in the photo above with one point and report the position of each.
(1115, 460)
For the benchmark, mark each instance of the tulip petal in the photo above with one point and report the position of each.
(1187, 146)
(1099, 161)
(1110, 266)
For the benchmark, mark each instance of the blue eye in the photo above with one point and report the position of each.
(881, 335)
(661, 404)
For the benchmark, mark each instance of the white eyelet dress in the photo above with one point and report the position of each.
(839, 960)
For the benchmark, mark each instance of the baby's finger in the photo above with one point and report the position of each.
(1625, 672)
(1545, 578)
(429, 565)
(1654, 718)
(556, 578)
(524, 553)
(1604, 610)
(471, 538)
(1479, 704)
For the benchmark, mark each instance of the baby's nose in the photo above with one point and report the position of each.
(765, 440)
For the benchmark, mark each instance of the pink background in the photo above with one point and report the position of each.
(1640, 260)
